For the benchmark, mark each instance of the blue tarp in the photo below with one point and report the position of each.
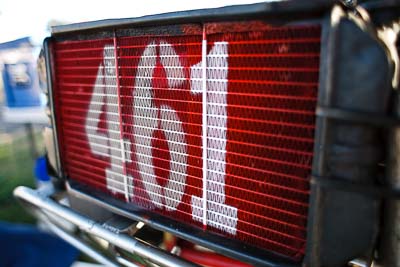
(20, 78)
(22, 42)
(26, 246)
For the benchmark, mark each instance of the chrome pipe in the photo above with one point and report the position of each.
(358, 263)
(125, 262)
(87, 225)
(86, 249)
(50, 94)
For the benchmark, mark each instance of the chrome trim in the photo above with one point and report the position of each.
(358, 263)
(269, 9)
(207, 241)
(43, 201)
(82, 246)
(125, 262)
(50, 88)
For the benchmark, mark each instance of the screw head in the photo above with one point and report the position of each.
(349, 3)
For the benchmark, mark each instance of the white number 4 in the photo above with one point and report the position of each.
(108, 144)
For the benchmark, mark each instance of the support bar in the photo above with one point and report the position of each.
(81, 245)
(130, 244)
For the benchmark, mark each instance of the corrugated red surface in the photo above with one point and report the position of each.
(251, 115)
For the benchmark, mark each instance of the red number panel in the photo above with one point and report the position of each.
(209, 125)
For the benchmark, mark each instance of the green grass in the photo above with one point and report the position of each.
(16, 168)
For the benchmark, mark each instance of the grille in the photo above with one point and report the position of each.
(138, 113)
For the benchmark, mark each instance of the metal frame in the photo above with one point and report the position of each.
(389, 249)
(274, 12)
(79, 244)
(285, 12)
(42, 200)
(49, 73)
(220, 244)
(390, 246)
(280, 11)
(342, 133)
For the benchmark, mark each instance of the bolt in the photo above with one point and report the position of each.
(349, 3)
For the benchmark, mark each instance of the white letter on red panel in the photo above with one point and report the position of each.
(218, 214)
(148, 118)
(107, 144)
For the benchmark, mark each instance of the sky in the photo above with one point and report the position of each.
(21, 18)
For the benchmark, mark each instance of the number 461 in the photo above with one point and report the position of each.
(210, 208)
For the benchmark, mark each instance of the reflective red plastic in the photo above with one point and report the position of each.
(261, 88)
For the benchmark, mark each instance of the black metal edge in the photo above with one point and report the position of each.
(383, 12)
(373, 191)
(221, 244)
(357, 117)
(47, 43)
(321, 188)
(281, 10)
(379, 4)
(273, 10)
(389, 243)
(318, 153)
(171, 29)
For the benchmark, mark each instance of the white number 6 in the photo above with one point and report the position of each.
(148, 118)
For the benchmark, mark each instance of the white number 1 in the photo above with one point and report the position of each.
(211, 208)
